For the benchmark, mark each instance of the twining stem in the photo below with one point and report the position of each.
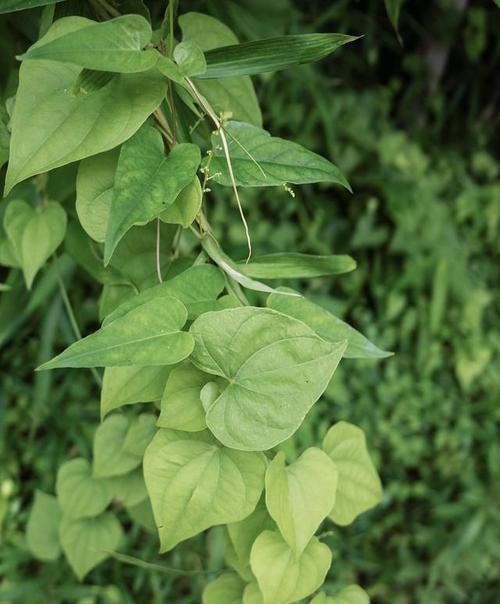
(71, 315)
(108, 7)
(210, 112)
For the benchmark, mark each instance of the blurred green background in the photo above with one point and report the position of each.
(410, 113)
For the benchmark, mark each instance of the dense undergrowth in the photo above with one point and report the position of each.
(423, 225)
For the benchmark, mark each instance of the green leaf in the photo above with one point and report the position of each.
(110, 456)
(129, 385)
(8, 6)
(51, 127)
(181, 407)
(130, 488)
(275, 368)
(226, 589)
(393, 8)
(85, 541)
(216, 253)
(271, 54)
(261, 160)
(139, 434)
(42, 529)
(327, 325)
(296, 266)
(142, 514)
(242, 536)
(300, 496)
(252, 594)
(149, 334)
(186, 205)
(234, 96)
(352, 594)
(194, 483)
(146, 182)
(190, 58)
(4, 143)
(91, 80)
(34, 234)
(115, 45)
(283, 577)
(94, 192)
(359, 487)
(80, 495)
(197, 288)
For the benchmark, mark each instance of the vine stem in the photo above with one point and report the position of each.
(108, 7)
(158, 259)
(210, 112)
(71, 315)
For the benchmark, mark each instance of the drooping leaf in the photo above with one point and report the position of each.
(296, 266)
(232, 95)
(51, 127)
(8, 6)
(43, 525)
(34, 234)
(283, 577)
(149, 334)
(275, 368)
(261, 160)
(301, 495)
(352, 594)
(186, 205)
(271, 54)
(115, 45)
(129, 385)
(242, 536)
(197, 288)
(94, 192)
(80, 494)
(147, 182)
(181, 407)
(85, 541)
(226, 589)
(359, 487)
(232, 269)
(194, 483)
(393, 8)
(190, 58)
(110, 456)
(327, 325)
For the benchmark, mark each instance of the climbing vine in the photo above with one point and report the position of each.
(156, 118)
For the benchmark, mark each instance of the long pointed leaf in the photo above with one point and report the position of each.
(271, 54)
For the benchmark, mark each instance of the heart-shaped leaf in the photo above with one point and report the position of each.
(274, 367)
(81, 495)
(359, 487)
(283, 577)
(261, 160)
(86, 541)
(197, 288)
(34, 234)
(110, 456)
(147, 182)
(147, 335)
(51, 127)
(43, 525)
(115, 45)
(194, 483)
(300, 496)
